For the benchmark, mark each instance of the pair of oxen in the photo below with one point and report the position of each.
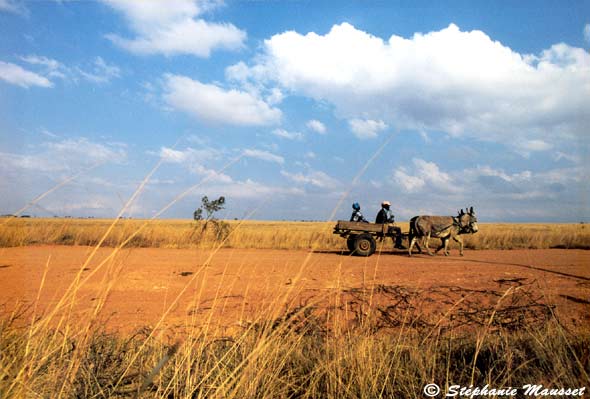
(444, 227)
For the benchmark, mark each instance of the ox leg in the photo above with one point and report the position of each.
(415, 241)
(418, 246)
(426, 244)
(459, 239)
(447, 246)
(442, 245)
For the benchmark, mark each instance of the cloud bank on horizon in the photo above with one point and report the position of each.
(475, 121)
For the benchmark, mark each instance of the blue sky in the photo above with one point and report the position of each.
(280, 105)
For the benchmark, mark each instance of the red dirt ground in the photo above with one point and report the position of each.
(234, 287)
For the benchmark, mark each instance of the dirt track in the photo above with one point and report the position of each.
(234, 286)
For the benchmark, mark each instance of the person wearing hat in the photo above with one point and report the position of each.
(385, 216)
(357, 216)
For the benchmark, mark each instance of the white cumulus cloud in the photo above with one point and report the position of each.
(212, 103)
(13, 6)
(366, 129)
(62, 155)
(287, 135)
(53, 67)
(315, 178)
(526, 147)
(173, 156)
(518, 177)
(101, 72)
(408, 182)
(189, 155)
(211, 175)
(316, 126)
(19, 76)
(251, 189)
(98, 71)
(173, 27)
(82, 149)
(264, 156)
(463, 83)
(426, 175)
(192, 159)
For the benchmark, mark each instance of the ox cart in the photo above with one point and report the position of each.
(361, 238)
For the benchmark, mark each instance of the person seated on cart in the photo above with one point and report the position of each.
(357, 216)
(385, 216)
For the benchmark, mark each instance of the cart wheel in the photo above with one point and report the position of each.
(364, 245)
(350, 242)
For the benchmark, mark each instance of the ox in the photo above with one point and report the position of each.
(443, 227)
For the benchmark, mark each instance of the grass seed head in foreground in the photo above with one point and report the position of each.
(279, 361)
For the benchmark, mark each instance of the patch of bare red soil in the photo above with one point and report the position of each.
(175, 288)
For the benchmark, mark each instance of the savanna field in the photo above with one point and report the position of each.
(252, 309)
(260, 234)
(172, 172)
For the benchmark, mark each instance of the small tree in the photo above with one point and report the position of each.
(209, 208)
(198, 214)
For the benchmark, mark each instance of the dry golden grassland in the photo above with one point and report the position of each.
(263, 234)
(285, 352)
(279, 361)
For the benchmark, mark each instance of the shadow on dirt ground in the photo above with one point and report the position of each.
(404, 253)
(348, 253)
(541, 269)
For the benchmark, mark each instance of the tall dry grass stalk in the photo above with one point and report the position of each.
(263, 234)
(285, 350)
(288, 358)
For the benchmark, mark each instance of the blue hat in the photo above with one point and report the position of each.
(356, 206)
